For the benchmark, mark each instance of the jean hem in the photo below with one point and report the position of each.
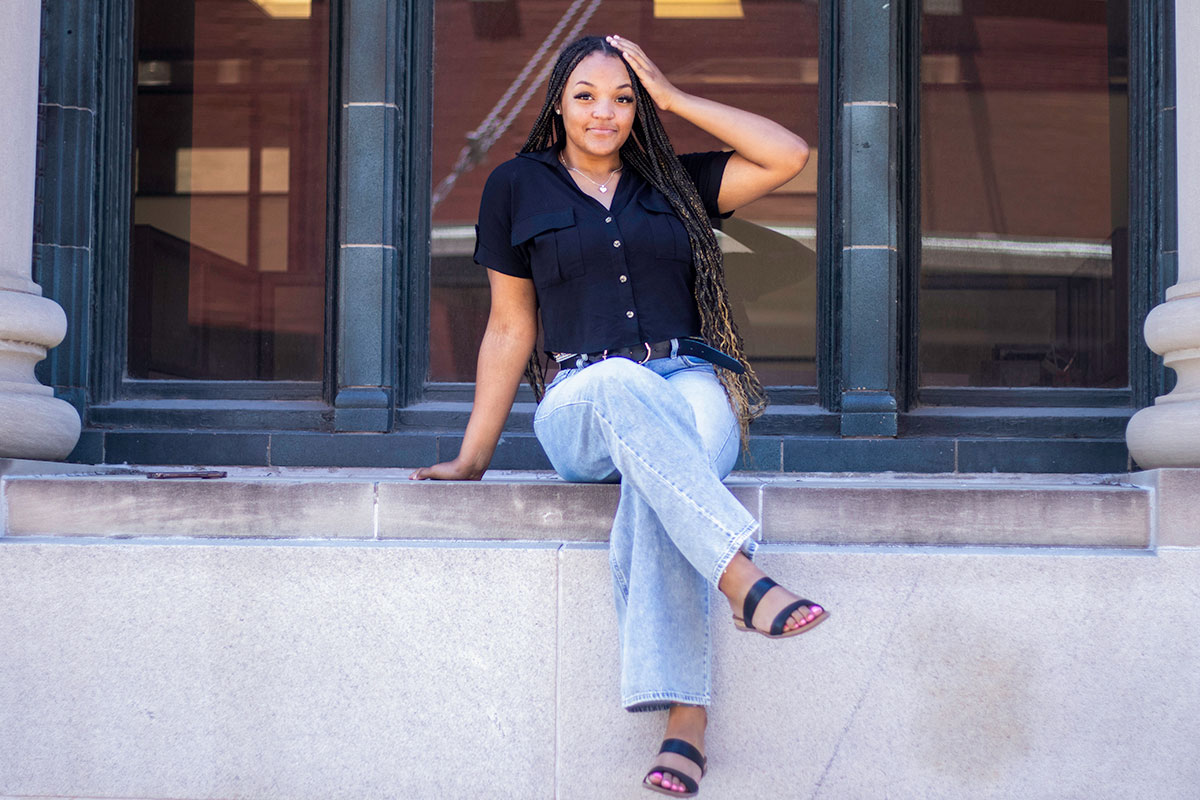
(660, 701)
(736, 544)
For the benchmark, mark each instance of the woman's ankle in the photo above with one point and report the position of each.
(738, 576)
(690, 720)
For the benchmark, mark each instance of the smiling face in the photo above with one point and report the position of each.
(598, 107)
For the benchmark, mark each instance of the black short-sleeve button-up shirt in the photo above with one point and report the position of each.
(605, 277)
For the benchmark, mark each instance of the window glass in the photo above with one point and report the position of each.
(227, 276)
(489, 86)
(1024, 187)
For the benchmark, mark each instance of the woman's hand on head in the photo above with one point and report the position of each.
(448, 471)
(661, 90)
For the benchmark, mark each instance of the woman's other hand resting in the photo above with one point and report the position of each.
(507, 344)
(448, 471)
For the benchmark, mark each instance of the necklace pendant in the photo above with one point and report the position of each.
(604, 188)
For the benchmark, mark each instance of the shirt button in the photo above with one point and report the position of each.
(608, 219)
(617, 243)
(629, 314)
(624, 278)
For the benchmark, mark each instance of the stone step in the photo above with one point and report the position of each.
(382, 504)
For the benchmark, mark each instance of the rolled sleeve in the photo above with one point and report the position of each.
(706, 171)
(493, 234)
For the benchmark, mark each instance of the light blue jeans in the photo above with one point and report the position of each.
(666, 432)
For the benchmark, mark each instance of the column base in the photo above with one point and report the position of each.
(1165, 435)
(37, 426)
(33, 422)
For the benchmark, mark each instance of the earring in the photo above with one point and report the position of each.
(558, 111)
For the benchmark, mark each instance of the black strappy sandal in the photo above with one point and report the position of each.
(688, 751)
(750, 604)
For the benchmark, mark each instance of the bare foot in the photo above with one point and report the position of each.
(686, 723)
(735, 583)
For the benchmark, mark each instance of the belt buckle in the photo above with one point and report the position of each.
(647, 358)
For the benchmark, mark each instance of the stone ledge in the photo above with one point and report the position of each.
(382, 504)
(1097, 516)
(132, 505)
(22, 466)
(1176, 504)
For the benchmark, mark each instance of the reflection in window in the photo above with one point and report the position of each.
(761, 56)
(227, 279)
(1024, 211)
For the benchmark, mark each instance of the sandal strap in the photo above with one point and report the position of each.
(687, 750)
(756, 593)
(782, 617)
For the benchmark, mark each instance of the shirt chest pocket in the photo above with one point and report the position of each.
(552, 241)
(670, 237)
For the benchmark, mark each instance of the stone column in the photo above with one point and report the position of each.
(33, 423)
(1167, 434)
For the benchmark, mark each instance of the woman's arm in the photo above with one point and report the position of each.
(766, 154)
(509, 339)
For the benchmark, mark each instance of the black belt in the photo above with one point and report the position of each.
(644, 352)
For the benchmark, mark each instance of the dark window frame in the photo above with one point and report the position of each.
(1152, 199)
(110, 384)
(87, 368)
(1150, 91)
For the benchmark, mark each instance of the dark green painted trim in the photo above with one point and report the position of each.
(868, 136)
(213, 416)
(449, 413)
(825, 453)
(333, 179)
(1151, 184)
(415, 223)
(114, 193)
(1032, 398)
(908, 241)
(149, 390)
(1003, 422)
(1166, 189)
(465, 393)
(829, 206)
(369, 186)
(66, 154)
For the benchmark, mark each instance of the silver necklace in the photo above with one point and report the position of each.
(603, 186)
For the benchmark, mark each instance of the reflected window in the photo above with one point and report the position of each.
(1024, 187)
(491, 62)
(227, 276)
